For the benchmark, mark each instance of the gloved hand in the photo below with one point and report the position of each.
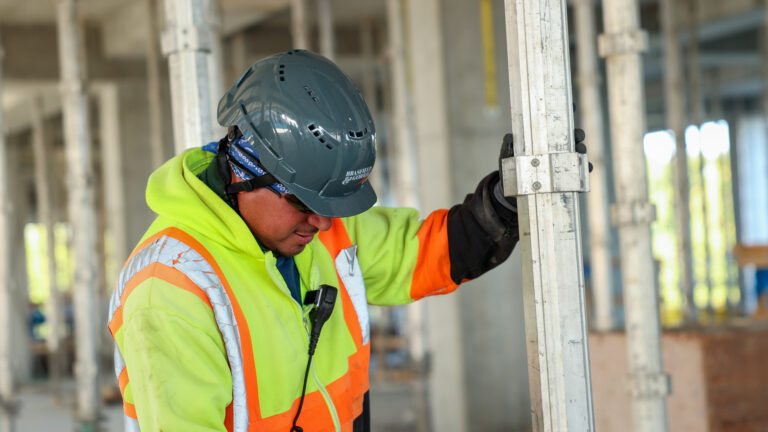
(508, 150)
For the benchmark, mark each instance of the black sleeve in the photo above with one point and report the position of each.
(481, 231)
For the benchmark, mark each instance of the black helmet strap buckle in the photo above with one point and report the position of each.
(232, 189)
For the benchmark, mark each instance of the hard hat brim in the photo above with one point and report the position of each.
(336, 207)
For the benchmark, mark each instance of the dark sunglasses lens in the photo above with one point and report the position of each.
(298, 205)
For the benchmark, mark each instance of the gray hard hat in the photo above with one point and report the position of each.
(310, 127)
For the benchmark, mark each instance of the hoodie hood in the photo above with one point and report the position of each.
(179, 197)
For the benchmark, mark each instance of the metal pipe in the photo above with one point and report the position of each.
(154, 106)
(8, 402)
(621, 45)
(402, 161)
(548, 212)
(82, 215)
(114, 188)
(187, 43)
(55, 307)
(697, 118)
(299, 24)
(325, 26)
(675, 114)
(215, 67)
(591, 110)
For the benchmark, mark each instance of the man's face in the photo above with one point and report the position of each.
(278, 225)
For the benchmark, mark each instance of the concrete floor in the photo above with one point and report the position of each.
(395, 408)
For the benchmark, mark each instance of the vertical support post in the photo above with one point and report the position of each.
(8, 402)
(326, 27)
(187, 43)
(621, 45)
(402, 165)
(239, 55)
(697, 118)
(370, 67)
(82, 215)
(154, 105)
(591, 110)
(447, 393)
(215, 67)
(299, 24)
(550, 232)
(55, 305)
(114, 189)
(675, 114)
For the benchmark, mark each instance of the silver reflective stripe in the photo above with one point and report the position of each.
(173, 253)
(131, 424)
(349, 270)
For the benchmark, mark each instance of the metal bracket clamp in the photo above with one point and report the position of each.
(648, 384)
(546, 173)
(609, 44)
(632, 213)
(176, 39)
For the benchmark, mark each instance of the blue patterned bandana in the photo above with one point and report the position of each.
(244, 162)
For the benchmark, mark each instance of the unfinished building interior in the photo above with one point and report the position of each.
(635, 300)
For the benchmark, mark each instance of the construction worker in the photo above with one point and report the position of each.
(244, 306)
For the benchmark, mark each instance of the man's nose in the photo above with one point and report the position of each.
(322, 223)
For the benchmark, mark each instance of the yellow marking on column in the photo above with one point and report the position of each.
(489, 53)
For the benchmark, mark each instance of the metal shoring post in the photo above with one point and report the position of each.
(114, 188)
(44, 203)
(299, 24)
(215, 67)
(621, 45)
(697, 118)
(591, 110)
(545, 175)
(82, 216)
(325, 26)
(154, 107)
(675, 114)
(8, 402)
(370, 67)
(186, 42)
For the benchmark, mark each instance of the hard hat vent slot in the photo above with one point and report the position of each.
(319, 135)
(281, 73)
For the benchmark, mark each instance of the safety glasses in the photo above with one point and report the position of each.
(296, 203)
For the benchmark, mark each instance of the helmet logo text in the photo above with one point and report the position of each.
(355, 175)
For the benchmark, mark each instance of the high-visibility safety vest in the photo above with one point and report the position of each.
(208, 337)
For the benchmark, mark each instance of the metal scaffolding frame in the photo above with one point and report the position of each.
(187, 43)
(82, 215)
(545, 174)
(621, 45)
(591, 112)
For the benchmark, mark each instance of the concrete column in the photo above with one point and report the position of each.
(8, 400)
(621, 45)
(446, 403)
(675, 112)
(187, 43)
(55, 307)
(215, 68)
(299, 24)
(82, 215)
(154, 107)
(239, 51)
(697, 118)
(114, 189)
(402, 164)
(325, 27)
(591, 112)
(548, 212)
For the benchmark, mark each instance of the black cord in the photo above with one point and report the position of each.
(296, 428)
